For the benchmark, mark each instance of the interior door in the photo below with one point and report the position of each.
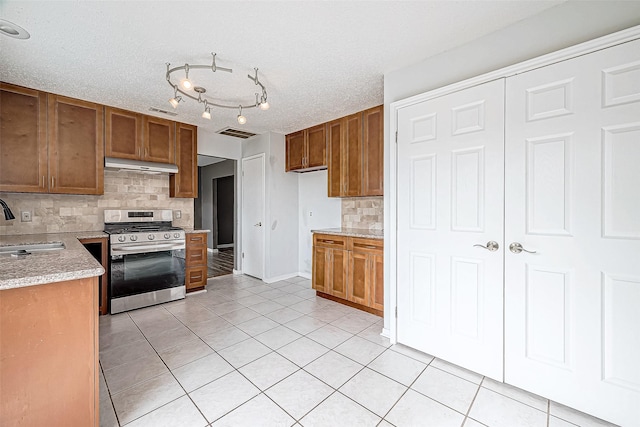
(450, 205)
(253, 215)
(573, 173)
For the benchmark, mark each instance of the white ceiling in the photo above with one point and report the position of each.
(318, 59)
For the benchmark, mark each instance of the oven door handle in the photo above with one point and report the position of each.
(144, 248)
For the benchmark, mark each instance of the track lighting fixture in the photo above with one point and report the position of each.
(187, 88)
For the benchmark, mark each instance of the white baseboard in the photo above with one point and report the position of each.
(237, 271)
(196, 292)
(385, 333)
(278, 278)
(213, 251)
(305, 275)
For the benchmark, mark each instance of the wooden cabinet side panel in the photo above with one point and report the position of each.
(316, 147)
(335, 141)
(159, 140)
(49, 359)
(76, 146)
(295, 151)
(373, 152)
(123, 134)
(185, 182)
(319, 267)
(23, 139)
(352, 172)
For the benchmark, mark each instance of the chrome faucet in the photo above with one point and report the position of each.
(8, 215)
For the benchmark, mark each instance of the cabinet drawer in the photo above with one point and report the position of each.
(196, 239)
(196, 256)
(195, 277)
(374, 246)
(330, 241)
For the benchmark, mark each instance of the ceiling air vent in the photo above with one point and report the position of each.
(157, 110)
(237, 133)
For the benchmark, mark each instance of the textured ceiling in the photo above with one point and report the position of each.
(318, 59)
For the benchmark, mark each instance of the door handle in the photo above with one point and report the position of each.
(258, 224)
(516, 248)
(490, 246)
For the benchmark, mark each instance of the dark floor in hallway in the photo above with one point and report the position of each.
(221, 263)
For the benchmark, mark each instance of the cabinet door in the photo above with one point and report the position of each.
(335, 139)
(352, 173)
(295, 151)
(316, 155)
(373, 152)
(338, 273)
(376, 282)
(76, 146)
(358, 283)
(159, 140)
(319, 278)
(23, 140)
(123, 134)
(185, 182)
(195, 278)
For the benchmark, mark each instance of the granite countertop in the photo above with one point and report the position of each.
(353, 232)
(195, 230)
(73, 262)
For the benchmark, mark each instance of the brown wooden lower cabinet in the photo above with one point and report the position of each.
(49, 358)
(349, 269)
(196, 261)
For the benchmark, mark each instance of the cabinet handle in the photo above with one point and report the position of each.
(53, 182)
(146, 152)
(44, 181)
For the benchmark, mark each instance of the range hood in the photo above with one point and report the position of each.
(139, 166)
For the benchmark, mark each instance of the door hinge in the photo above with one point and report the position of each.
(396, 137)
(243, 257)
(396, 311)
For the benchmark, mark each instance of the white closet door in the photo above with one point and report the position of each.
(572, 308)
(450, 198)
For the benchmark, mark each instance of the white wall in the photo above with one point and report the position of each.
(316, 211)
(216, 145)
(562, 26)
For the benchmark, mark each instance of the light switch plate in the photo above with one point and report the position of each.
(25, 216)
(177, 214)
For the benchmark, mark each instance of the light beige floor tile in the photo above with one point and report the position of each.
(223, 395)
(576, 417)
(239, 316)
(266, 307)
(244, 352)
(302, 351)
(330, 336)
(304, 324)
(171, 338)
(261, 288)
(372, 333)
(228, 307)
(143, 398)
(413, 353)
(306, 306)
(258, 412)
(416, 410)
(277, 337)
(385, 423)
(470, 422)
(446, 388)
(134, 372)
(557, 422)
(251, 300)
(284, 315)
(375, 392)
(225, 338)
(154, 327)
(339, 410)
(272, 294)
(496, 410)
(125, 353)
(353, 323)
(179, 413)
(299, 393)
(515, 393)
(327, 314)
(360, 350)
(398, 367)
(209, 327)
(306, 293)
(333, 368)
(107, 414)
(268, 370)
(201, 371)
(457, 371)
(185, 353)
(290, 299)
(257, 325)
(112, 340)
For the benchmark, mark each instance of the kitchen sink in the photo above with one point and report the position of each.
(24, 250)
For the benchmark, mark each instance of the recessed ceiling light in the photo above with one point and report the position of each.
(12, 30)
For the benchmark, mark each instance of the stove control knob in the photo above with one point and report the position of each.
(133, 238)
(151, 237)
(167, 235)
(176, 235)
(121, 238)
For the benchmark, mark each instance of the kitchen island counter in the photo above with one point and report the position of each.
(71, 263)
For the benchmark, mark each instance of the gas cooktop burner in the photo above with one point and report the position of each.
(137, 228)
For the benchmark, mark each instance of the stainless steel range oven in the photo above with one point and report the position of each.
(147, 258)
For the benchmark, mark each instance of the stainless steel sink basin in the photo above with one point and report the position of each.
(24, 250)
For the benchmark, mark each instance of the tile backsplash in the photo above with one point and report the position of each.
(363, 213)
(53, 213)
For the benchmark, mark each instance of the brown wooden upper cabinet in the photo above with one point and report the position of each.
(185, 182)
(356, 157)
(306, 150)
(136, 136)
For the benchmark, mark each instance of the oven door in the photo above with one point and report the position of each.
(142, 277)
